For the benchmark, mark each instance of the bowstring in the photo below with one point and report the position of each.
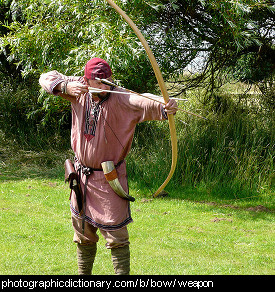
(123, 147)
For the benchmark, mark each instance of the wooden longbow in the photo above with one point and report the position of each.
(163, 89)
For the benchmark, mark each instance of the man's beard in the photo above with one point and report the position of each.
(102, 96)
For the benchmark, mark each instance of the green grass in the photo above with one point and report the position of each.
(228, 157)
(168, 236)
(192, 238)
(217, 219)
(34, 216)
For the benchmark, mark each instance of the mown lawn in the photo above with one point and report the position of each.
(169, 236)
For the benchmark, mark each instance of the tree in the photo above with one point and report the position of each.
(42, 35)
(64, 35)
(6, 68)
(234, 40)
(234, 37)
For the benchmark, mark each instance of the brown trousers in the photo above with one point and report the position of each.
(114, 238)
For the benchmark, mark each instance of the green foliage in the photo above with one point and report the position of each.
(233, 38)
(225, 30)
(212, 39)
(228, 156)
(30, 122)
(231, 152)
(236, 36)
(64, 35)
(228, 159)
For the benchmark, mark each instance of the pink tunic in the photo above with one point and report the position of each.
(117, 119)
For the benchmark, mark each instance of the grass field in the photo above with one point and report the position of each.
(174, 235)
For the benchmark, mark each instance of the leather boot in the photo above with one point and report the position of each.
(121, 260)
(85, 258)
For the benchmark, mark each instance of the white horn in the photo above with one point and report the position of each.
(112, 178)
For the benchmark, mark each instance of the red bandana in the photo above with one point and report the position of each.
(97, 67)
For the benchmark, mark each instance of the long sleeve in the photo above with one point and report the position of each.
(143, 109)
(50, 80)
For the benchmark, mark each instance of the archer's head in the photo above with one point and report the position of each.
(98, 68)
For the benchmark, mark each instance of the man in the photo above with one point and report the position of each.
(103, 126)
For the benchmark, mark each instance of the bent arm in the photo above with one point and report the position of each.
(53, 81)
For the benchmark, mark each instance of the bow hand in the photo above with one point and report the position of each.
(171, 107)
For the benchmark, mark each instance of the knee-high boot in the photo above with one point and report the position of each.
(121, 260)
(85, 258)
